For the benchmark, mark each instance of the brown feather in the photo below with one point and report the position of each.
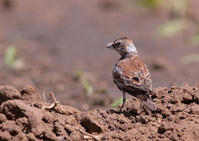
(133, 75)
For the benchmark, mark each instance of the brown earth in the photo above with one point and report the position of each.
(23, 116)
(57, 38)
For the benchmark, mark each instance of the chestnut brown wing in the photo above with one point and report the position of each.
(132, 76)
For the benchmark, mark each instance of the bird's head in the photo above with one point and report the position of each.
(123, 46)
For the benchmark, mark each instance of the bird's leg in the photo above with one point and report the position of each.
(123, 101)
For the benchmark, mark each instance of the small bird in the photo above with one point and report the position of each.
(131, 75)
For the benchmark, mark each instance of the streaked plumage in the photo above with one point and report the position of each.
(130, 74)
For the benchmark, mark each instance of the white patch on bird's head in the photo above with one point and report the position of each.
(123, 46)
(131, 48)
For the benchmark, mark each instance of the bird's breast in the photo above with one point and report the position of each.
(116, 71)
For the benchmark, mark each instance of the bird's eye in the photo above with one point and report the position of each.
(118, 43)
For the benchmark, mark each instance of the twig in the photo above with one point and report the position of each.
(54, 99)
(87, 134)
(44, 96)
(55, 103)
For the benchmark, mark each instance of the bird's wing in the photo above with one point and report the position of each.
(132, 75)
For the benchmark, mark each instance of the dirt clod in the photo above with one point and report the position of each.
(8, 93)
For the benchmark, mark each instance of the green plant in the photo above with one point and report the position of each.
(150, 4)
(81, 77)
(12, 58)
(117, 102)
(87, 87)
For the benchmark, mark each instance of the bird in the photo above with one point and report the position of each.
(131, 74)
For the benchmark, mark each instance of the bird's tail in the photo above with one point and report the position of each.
(149, 105)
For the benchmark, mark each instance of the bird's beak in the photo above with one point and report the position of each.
(110, 45)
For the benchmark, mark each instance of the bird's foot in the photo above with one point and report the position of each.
(120, 111)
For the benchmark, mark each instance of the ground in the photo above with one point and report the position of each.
(58, 39)
(25, 116)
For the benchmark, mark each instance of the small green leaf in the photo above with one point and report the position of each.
(191, 58)
(150, 3)
(12, 58)
(87, 87)
(117, 103)
(172, 28)
(83, 80)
